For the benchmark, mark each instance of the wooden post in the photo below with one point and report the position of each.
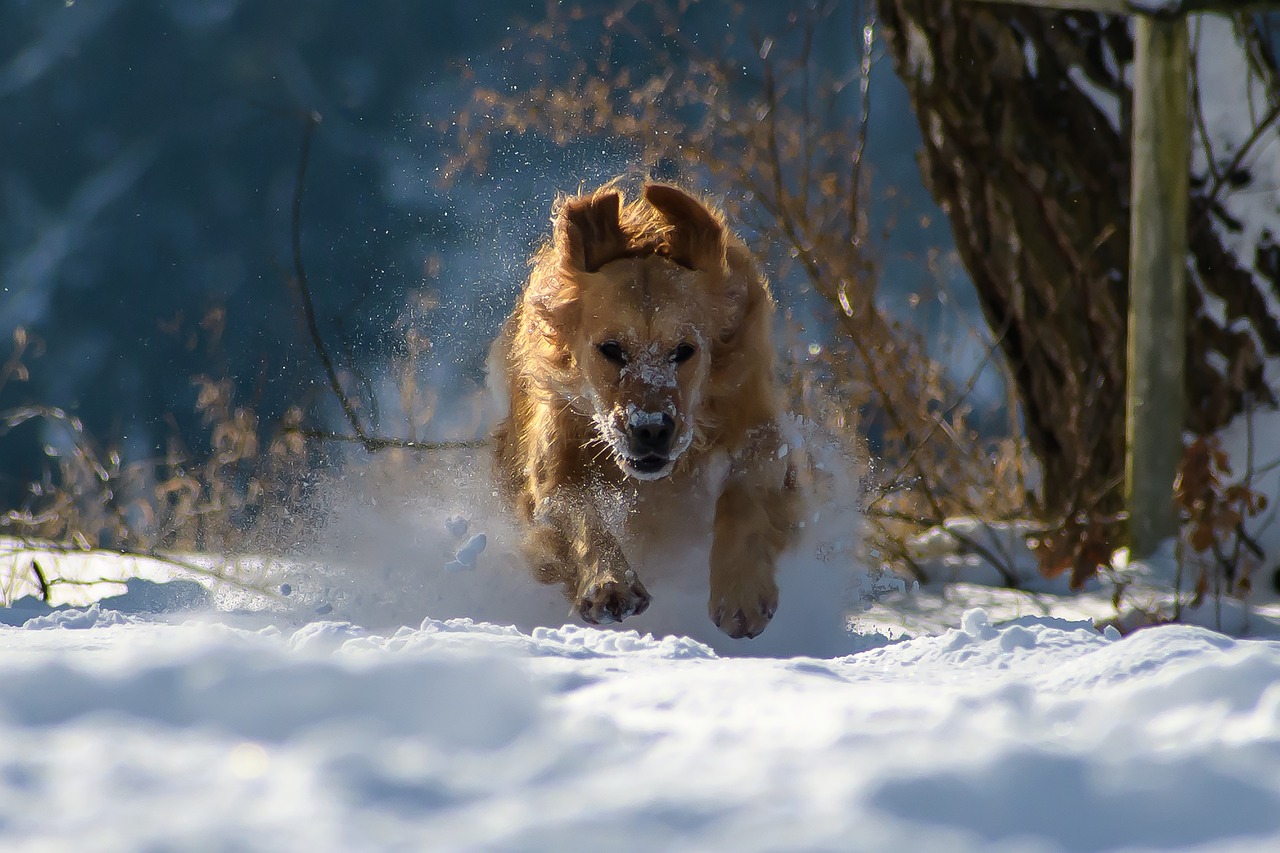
(1157, 279)
(1156, 394)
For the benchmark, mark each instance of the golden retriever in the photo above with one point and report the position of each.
(638, 359)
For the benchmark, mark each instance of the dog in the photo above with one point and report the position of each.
(639, 362)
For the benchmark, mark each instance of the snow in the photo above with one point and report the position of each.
(309, 705)
(1235, 157)
(235, 731)
(439, 544)
(1107, 102)
(962, 550)
(962, 576)
(1252, 442)
(407, 686)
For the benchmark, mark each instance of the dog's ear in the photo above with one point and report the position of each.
(588, 233)
(695, 236)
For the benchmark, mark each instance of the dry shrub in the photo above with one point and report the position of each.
(1078, 546)
(232, 486)
(241, 490)
(778, 138)
(1215, 510)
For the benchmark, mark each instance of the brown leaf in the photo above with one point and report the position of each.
(1201, 538)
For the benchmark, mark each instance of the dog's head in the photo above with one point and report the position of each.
(637, 298)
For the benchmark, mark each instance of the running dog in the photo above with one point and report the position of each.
(639, 360)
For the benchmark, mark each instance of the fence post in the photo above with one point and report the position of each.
(1157, 279)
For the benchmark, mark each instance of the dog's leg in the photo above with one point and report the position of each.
(570, 544)
(754, 522)
(608, 590)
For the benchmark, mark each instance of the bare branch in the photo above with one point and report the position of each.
(374, 443)
(864, 119)
(1220, 179)
(312, 120)
(41, 580)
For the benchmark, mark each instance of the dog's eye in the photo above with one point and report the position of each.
(613, 351)
(682, 353)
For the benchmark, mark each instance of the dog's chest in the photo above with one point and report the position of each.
(674, 514)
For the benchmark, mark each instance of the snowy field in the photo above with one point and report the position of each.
(408, 687)
(127, 732)
(188, 716)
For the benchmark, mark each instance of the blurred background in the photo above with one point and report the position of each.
(148, 162)
(203, 200)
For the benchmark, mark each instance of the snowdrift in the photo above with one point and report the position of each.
(308, 705)
(122, 732)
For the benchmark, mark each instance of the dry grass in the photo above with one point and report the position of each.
(241, 490)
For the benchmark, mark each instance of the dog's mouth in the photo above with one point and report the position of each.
(651, 466)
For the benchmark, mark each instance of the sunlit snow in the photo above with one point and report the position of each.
(391, 696)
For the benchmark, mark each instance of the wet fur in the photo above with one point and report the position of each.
(654, 273)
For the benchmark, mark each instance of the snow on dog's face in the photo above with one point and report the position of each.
(642, 351)
(639, 302)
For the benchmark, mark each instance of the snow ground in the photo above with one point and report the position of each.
(124, 732)
(173, 717)
(292, 710)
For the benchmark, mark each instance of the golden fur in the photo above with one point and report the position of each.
(640, 352)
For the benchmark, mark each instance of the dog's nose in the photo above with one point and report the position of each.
(652, 435)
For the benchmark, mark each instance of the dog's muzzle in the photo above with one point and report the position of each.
(649, 436)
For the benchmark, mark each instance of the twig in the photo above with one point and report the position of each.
(374, 443)
(939, 418)
(896, 515)
(1220, 180)
(41, 580)
(899, 552)
(25, 545)
(1197, 107)
(371, 443)
(864, 118)
(304, 289)
(13, 367)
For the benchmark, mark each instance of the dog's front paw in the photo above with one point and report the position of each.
(608, 601)
(745, 612)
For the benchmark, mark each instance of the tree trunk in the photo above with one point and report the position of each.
(1024, 115)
